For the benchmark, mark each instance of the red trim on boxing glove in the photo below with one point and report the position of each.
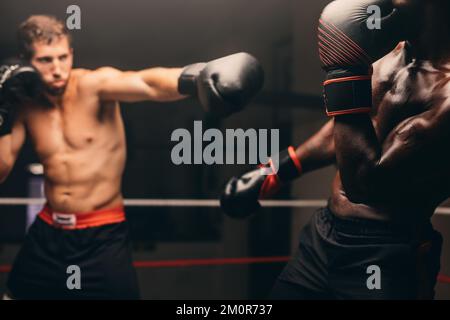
(289, 168)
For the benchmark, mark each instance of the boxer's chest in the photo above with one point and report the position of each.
(73, 126)
(411, 90)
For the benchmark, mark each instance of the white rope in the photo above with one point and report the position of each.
(198, 203)
(21, 201)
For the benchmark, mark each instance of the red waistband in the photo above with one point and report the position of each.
(82, 220)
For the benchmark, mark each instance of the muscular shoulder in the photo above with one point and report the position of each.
(92, 79)
(439, 111)
(386, 68)
(441, 87)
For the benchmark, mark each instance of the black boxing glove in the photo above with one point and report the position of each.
(19, 82)
(223, 86)
(348, 46)
(241, 195)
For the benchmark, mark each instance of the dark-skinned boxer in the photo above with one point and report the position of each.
(75, 124)
(388, 138)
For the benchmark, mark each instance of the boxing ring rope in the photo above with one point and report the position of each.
(198, 203)
(185, 263)
(210, 203)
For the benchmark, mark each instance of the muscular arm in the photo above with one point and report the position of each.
(411, 152)
(318, 151)
(10, 146)
(156, 84)
(241, 194)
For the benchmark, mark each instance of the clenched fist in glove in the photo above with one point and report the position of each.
(241, 195)
(223, 86)
(350, 39)
(19, 81)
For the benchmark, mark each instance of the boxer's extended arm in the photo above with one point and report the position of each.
(222, 86)
(156, 84)
(10, 146)
(241, 195)
(411, 152)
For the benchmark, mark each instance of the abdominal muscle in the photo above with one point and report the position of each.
(84, 181)
(81, 144)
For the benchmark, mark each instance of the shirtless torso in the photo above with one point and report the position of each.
(81, 144)
(408, 94)
(77, 129)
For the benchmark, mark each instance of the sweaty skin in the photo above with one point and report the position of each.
(409, 174)
(393, 163)
(405, 170)
(77, 131)
(81, 144)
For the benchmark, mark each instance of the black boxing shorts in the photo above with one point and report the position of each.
(341, 258)
(94, 247)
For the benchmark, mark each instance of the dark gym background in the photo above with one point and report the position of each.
(135, 34)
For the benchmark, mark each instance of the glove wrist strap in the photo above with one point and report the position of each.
(348, 92)
(187, 82)
(290, 166)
